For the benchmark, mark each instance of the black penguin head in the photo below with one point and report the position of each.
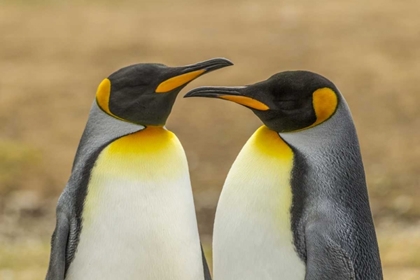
(287, 101)
(145, 93)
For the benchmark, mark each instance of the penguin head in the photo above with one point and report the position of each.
(145, 93)
(287, 101)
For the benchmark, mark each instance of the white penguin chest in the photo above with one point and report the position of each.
(252, 236)
(138, 217)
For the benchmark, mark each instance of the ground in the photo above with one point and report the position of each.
(53, 54)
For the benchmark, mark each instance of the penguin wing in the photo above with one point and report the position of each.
(59, 241)
(326, 259)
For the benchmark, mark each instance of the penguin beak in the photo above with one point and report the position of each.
(188, 73)
(235, 94)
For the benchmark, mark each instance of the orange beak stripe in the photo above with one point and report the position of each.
(246, 101)
(178, 81)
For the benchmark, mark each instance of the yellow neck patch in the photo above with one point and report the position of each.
(325, 103)
(149, 154)
(269, 142)
(103, 94)
(177, 81)
(247, 101)
(152, 139)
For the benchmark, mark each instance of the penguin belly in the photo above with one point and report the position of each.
(138, 219)
(252, 236)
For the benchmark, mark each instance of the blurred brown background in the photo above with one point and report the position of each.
(53, 54)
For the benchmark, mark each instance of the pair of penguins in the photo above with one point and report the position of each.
(294, 204)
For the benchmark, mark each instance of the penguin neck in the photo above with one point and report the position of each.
(149, 139)
(100, 130)
(335, 133)
(252, 233)
(155, 150)
(331, 155)
(327, 151)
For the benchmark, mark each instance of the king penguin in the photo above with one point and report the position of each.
(127, 211)
(295, 204)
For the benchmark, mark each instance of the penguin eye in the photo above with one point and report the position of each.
(129, 83)
(138, 83)
(287, 104)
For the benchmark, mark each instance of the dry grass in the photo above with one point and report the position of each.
(53, 55)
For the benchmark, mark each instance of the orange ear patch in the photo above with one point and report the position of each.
(247, 101)
(325, 103)
(177, 81)
(102, 97)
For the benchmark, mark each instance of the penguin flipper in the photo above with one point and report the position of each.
(206, 269)
(59, 240)
(326, 259)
